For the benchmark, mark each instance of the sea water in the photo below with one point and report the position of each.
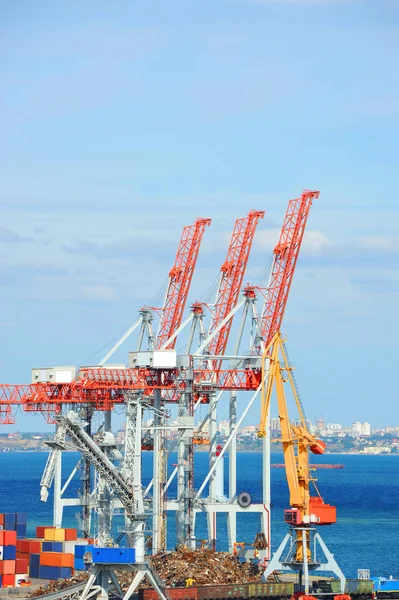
(366, 493)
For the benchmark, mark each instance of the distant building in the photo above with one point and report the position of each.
(275, 424)
(320, 423)
(365, 429)
(223, 428)
(361, 429)
(248, 430)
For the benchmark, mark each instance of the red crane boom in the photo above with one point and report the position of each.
(233, 270)
(103, 387)
(180, 278)
(286, 255)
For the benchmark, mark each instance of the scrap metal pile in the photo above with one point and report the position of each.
(206, 567)
(57, 586)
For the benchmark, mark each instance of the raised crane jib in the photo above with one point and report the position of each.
(286, 255)
(232, 274)
(180, 278)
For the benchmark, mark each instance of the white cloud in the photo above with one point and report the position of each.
(314, 241)
(379, 242)
(97, 292)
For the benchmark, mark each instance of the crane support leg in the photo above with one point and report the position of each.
(276, 564)
(144, 571)
(331, 564)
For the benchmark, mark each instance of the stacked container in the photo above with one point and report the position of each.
(55, 557)
(51, 555)
(12, 570)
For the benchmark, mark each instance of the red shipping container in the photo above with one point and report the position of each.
(19, 546)
(7, 567)
(8, 580)
(8, 538)
(31, 546)
(21, 565)
(2, 520)
(40, 530)
(71, 535)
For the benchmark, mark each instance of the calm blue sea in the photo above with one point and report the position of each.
(366, 493)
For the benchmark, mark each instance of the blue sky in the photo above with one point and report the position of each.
(123, 121)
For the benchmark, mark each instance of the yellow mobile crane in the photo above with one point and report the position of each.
(298, 551)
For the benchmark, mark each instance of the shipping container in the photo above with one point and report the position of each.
(56, 559)
(52, 546)
(53, 573)
(31, 546)
(1, 552)
(69, 547)
(8, 537)
(21, 565)
(9, 552)
(34, 560)
(49, 534)
(8, 580)
(21, 531)
(40, 529)
(7, 567)
(22, 518)
(10, 521)
(1, 581)
(1, 520)
(34, 572)
(71, 535)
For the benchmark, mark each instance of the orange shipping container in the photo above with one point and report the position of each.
(56, 559)
(7, 567)
(1, 520)
(8, 538)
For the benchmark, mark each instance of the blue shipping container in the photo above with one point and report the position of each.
(114, 555)
(52, 546)
(9, 553)
(34, 560)
(1, 581)
(66, 572)
(34, 572)
(55, 572)
(80, 551)
(22, 518)
(10, 521)
(21, 531)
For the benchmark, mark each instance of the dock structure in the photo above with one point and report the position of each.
(171, 387)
